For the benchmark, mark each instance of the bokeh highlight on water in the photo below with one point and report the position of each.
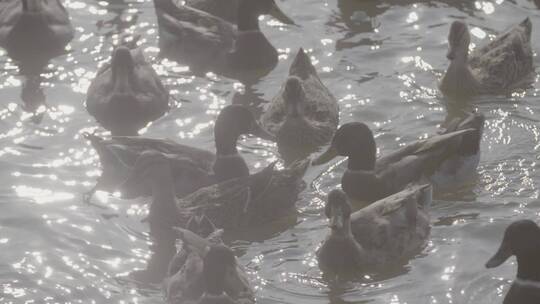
(381, 59)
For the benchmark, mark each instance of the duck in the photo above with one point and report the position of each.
(193, 168)
(304, 115)
(233, 205)
(228, 9)
(34, 31)
(502, 65)
(522, 239)
(209, 43)
(447, 160)
(204, 270)
(127, 93)
(389, 231)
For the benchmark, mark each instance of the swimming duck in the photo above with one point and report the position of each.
(444, 159)
(205, 269)
(34, 31)
(386, 232)
(304, 115)
(192, 167)
(504, 64)
(522, 239)
(233, 204)
(126, 94)
(209, 43)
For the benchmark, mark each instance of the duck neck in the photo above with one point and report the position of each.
(225, 141)
(248, 20)
(529, 267)
(459, 79)
(360, 162)
(122, 75)
(31, 6)
(163, 190)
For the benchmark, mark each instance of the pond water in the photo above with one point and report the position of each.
(381, 59)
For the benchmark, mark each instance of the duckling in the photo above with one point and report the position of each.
(126, 94)
(304, 115)
(522, 239)
(34, 31)
(190, 270)
(504, 64)
(388, 231)
(451, 157)
(192, 167)
(209, 43)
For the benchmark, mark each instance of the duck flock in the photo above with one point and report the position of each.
(378, 217)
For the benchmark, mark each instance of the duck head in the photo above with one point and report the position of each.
(233, 121)
(293, 96)
(338, 211)
(250, 10)
(458, 41)
(220, 272)
(522, 239)
(354, 140)
(123, 69)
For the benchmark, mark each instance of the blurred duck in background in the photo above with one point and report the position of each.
(33, 32)
(208, 43)
(500, 66)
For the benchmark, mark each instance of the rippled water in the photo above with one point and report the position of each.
(380, 58)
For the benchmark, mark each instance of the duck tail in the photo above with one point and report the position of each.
(527, 25)
(470, 142)
(93, 138)
(302, 66)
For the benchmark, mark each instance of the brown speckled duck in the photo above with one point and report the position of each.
(204, 269)
(126, 94)
(503, 64)
(304, 115)
(384, 233)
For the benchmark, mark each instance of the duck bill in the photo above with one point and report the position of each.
(277, 13)
(122, 66)
(451, 54)
(336, 223)
(503, 254)
(327, 156)
(259, 131)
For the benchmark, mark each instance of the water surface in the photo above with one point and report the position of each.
(381, 59)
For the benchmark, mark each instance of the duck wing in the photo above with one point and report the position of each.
(192, 35)
(394, 227)
(118, 156)
(418, 160)
(507, 61)
(224, 9)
